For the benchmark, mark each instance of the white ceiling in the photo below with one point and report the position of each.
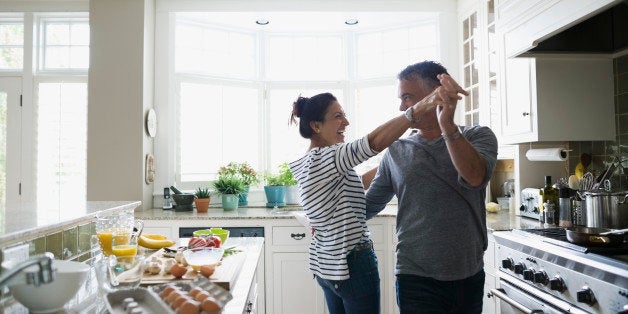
(309, 21)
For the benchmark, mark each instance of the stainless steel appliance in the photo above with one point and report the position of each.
(541, 272)
(530, 201)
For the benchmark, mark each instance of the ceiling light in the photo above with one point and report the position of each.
(351, 21)
(262, 22)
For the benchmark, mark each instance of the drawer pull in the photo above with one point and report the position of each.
(297, 236)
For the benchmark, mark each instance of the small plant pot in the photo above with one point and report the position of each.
(202, 205)
(229, 201)
(275, 195)
(243, 198)
(292, 195)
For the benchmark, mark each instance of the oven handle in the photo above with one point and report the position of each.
(500, 293)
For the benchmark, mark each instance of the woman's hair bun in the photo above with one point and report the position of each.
(297, 106)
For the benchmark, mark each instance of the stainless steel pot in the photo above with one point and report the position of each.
(606, 209)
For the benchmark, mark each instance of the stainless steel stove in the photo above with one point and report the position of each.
(541, 272)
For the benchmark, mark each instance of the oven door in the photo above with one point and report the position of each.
(516, 299)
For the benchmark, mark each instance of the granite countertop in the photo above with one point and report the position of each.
(499, 221)
(32, 220)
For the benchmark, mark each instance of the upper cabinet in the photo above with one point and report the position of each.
(551, 97)
(557, 99)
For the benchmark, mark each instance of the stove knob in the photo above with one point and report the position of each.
(522, 208)
(519, 268)
(557, 284)
(585, 295)
(540, 277)
(528, 274)
(507, 263)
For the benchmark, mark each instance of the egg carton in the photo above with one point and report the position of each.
(221, 295)
(135, 301)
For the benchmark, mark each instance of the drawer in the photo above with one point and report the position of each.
(297, 236)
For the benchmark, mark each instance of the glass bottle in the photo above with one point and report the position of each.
(167, 199)
(549, 194)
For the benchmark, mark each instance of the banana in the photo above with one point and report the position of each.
(155, 236)
(153, 243)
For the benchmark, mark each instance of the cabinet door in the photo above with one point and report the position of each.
(294, 288)
(517, 107)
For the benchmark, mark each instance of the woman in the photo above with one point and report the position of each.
(341, 252)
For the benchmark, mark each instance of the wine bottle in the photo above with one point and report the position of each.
(549, 194)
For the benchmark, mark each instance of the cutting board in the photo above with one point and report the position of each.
(225, 275)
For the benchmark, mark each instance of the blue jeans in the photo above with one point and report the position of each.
(416, 294)
(360, 293)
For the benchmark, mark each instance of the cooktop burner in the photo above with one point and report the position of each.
(558, 236)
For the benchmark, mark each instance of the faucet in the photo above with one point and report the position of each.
(43, 275)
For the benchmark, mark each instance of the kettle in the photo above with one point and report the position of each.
(509, 187)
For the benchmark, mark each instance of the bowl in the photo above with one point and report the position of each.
(201, 256)
(183, 199)
(223, 234)
(51, 297)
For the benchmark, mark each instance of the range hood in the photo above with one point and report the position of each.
(605, 32)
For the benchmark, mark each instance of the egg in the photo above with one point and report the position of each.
(194, 291)
(178, 271)
(201, 296)
(207, 270)
(173, 296)
(190, 307)
(179, 301)
(210, 305)
(168, 265)
(167, 290)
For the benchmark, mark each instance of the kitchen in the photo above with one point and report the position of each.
(117, 87)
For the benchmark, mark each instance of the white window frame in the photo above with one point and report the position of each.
(165, 143)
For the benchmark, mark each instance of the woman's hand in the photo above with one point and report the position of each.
(448, 96)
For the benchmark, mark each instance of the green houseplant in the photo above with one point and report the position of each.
(202, 200)
(275, 190)
(229, 186)
(292, 190)
(245, 172)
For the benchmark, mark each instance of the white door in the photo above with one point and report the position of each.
(10, 148)
(517, 114)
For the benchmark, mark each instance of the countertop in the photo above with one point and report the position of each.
(90, 302)
(32, 220)
(500, 221)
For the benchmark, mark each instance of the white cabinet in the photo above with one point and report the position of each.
(557, 99)
(294, 289)
(489, 305)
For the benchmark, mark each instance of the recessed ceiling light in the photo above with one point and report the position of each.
(351, 21)
(262, 22)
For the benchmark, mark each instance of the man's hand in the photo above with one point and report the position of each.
(448, 96)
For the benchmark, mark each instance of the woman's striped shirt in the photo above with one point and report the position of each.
(332, 196)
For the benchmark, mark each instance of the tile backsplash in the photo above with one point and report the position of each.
(603, 152)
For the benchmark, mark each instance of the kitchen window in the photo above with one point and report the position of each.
(43, 110)
(232, 88)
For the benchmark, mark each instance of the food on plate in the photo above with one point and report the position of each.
(214, 241)
(205, 241)
(154, 243)
(197, 242)
(153, 268)
(207, 270)
(178, 270)
(179, 258)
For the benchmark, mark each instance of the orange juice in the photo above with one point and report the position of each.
(104, 238)
(125, 252)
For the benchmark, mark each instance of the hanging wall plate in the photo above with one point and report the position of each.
(151, 122)
(149, 165)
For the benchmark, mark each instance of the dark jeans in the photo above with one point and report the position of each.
(416, 294)
(360, 293)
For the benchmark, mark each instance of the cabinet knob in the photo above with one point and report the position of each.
(526, 114)
(297, 236)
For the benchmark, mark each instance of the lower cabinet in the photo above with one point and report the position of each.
(294, 288)
(489, 304)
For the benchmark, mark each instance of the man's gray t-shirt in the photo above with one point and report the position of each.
(441, 220)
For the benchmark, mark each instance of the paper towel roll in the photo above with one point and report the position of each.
(547, 154)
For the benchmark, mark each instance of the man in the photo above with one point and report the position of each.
(439, 175)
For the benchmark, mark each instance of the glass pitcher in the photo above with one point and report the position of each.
(119, 223)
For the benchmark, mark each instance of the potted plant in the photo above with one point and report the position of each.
(229, 187)
(292, 190)
(202, 200)
(275, 190)
(245, 172)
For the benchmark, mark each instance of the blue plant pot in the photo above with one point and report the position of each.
(275, 195)
(229, 201)
(243, 198)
